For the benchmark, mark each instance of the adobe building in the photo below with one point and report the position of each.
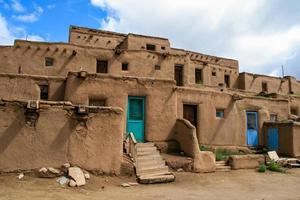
(77, 101)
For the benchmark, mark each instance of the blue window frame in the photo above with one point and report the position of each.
(220, 113)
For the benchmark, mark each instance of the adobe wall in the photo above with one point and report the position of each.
(230, 130)
(60, 136)
(296, 140)
(160, 96)
(26, 87)
(253, 83)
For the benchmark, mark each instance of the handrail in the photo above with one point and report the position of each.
(132, 146)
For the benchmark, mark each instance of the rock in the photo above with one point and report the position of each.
(66, 165)
(78, 176)
(180, 170)
(133, 184)
(72, 183)
(87, 175)
(125, 185)
(54, 171)
(20, 176)
(63, 180)
(204, 162)
(246, 161)
(48, 173)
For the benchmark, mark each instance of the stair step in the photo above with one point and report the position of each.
(145, 149)
(160, 169)
(148, 157)
(223, 168)
(148, 144)
(156, 179)
(143, 153)
(221, 162)
(149, 167)
(151, 162)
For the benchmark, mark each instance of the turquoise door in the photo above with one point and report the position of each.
(273, 139)
(136, 117)
(252, 129)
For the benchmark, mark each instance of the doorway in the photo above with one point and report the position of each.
(190, 113)
(136, 117)
(252, 128)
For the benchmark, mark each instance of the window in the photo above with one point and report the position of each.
(179, 75)
(294, 111)
(227, 80)
(150, 47)
(49, 62)
(163, 48)
(102, 66)
(44, 92)
(220, 113)
(198, 76)
(124, 66)
(273, 117)
(97, 102)
(214, 73)
(157, 67)
(264, 86)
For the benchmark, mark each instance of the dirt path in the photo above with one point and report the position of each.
(241, 184)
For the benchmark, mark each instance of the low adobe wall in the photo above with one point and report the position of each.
(92, 141)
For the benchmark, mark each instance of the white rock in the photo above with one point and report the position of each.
(133, 184)
(66, 165)
(125, 185)
(63, 180)
(72, 183)
(87, 175)
(53, 170)
(78, 176)
(43, 170)
(180, 170)
(20, 176)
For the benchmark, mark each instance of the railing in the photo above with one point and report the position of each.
(132, 146)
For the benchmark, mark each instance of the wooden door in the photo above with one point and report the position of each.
(190, 113)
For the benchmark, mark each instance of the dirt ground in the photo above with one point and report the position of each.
(240, 184)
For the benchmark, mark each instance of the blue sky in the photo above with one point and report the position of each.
(261, 34)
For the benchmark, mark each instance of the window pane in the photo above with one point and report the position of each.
(251, 120)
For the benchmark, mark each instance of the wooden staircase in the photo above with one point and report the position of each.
(149, 165)
(221, 166)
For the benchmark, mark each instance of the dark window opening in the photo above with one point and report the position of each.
(150, 47)
(124, 66)
(157, 67)
(273, 117)
(220, 113)
(264, 86)
(97, 102)
(294, 111)
(227, 80)
(49, 62)
(214, 73)
(252, 121)
(163, 48)
(44, 92)
(198, 76)
(179, 75)
(190, 113)
(102, 66)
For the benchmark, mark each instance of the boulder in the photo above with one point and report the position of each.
(246, 161)
(77, 175)
(204, 162)
(48, 172)
(72, 183)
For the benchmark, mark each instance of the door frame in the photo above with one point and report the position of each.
(143, 98)
(195, 109)
(257, 128)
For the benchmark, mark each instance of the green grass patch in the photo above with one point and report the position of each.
(224, 154)
(205, 148)
(262, 168)
(275, 167)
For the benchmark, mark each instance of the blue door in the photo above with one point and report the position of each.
(252, 129)
(136, 117)
(273, 139)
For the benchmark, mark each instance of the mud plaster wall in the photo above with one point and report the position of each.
(160, 106)
(59, 138)
(230, 130)
(20, 87)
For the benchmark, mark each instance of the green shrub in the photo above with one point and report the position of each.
(224, 154)
(262, 168)
(205, 148)
(275, 167)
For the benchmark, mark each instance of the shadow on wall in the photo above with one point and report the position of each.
(11, 132)
(64, 134)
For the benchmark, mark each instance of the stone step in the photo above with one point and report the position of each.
(156, 179)
(148, 144)
(148, 157)
(223, 168)
(146, 149)
(145, 153)
(151, 162)
(220, 162)
(160, 169)
(140, 167)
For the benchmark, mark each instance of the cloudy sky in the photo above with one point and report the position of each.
(262, 34)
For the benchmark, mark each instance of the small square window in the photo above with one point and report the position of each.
(44, 92)
(294, 111)
(273, 117)
(163, 48)
(150, 47)
(157, 67)
(124, 66)
(102, 66)
(220, 113)
(97, 102)
(214, 73)
(49, 62)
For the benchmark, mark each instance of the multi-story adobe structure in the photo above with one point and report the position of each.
(154, 84)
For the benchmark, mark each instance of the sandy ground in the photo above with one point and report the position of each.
(240, 184)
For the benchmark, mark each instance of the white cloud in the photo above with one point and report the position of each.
(7, 35)
(233, 28)
(31, 17)
(17, 6)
